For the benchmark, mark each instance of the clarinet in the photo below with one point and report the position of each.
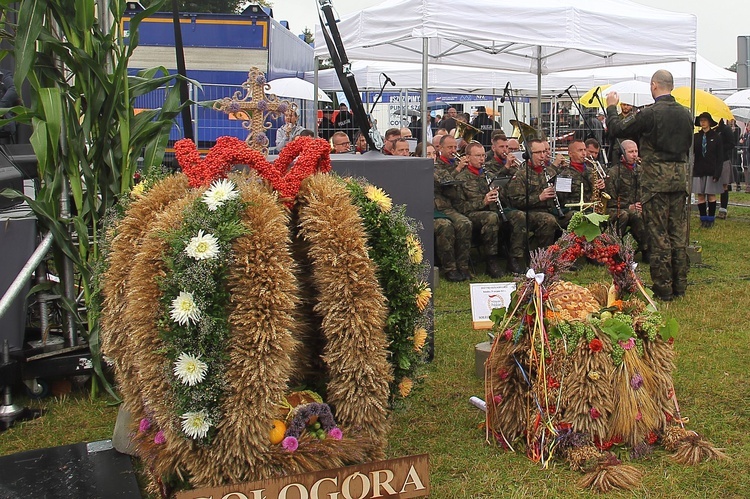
(499, 204)
(559, 209)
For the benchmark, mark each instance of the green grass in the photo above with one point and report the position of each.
(711, 382)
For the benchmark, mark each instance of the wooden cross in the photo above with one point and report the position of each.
(580, 205)
(255, 109)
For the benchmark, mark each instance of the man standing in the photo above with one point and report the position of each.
(344, 123)
(326, 129)
(533, 198)
(665, 131)
(487, 125)
(624, 209)
(449, 120)
(479, 204)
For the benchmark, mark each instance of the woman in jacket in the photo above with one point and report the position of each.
(709, 157)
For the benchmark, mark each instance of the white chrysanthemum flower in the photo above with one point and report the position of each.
(184, 309)
(189, 369)
(220, 192)
(203, 247)
(195, 424)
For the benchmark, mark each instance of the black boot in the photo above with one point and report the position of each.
(514, 267)
(493, 267)
(454, 276)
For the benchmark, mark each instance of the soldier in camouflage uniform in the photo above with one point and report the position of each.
(452, 229)
(479, 204)
(624, 209)
(540, 206)
(581, 178)
(665, 131)
(498, 162)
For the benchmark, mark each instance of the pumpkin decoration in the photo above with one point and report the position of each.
(278, 428)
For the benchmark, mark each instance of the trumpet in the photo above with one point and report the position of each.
(500, 209)
(551, 183)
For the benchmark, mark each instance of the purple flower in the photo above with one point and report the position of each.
(260, 79)
(159, 438)
(282, 107)
(290, 444)
(262, 105)
(335, 434)
(636, 381)
(233, 107)
(261, 138)
(144, 425)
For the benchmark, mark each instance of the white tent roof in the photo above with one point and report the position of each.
(440, 78)
(708, 75)
(459, 79)
(483, 33)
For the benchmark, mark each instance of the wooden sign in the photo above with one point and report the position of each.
(402, 478)
(487, 296)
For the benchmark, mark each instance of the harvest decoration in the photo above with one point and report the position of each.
(580, 373)
(254, 297)
(312, 155)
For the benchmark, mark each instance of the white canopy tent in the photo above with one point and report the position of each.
(440, 78)
(443, 78)
(540, 37)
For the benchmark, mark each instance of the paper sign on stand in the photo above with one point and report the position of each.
(487, 296)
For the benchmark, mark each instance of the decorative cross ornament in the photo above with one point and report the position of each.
(580, 205)
(255, 108)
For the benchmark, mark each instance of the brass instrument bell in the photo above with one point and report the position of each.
(465, 131)
(521, 129)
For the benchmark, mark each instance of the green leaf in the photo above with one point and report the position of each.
(596, 218)
(404, 362)
(668, 330)
(497, 315)
(588, 230)
(30, 20)
(616, 329)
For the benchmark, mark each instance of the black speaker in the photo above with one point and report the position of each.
(23, 157)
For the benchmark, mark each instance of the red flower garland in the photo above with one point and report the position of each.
(313, 155)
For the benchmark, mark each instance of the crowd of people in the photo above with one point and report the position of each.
(506, 203)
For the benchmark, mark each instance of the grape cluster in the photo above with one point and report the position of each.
(639, 346)
(617, 354)
(651, 326)
(576, 220)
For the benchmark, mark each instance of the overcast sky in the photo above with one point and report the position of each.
(719, 24)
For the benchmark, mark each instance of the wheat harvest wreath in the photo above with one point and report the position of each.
(584, 374)
(261, 324)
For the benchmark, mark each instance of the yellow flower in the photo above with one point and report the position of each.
(414, 248)
(420, 336)
(423, 296)
(405, 387)
(379, 197)
(138, 190)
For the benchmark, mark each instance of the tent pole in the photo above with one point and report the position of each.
(423, 98)
(539, 87)
(315, 97)
(689, 186)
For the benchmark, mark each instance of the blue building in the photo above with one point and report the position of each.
(219, 51)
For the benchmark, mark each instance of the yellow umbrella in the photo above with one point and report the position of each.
(585, 98)
(704, 102)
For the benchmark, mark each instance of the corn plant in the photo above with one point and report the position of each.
(86, 136)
